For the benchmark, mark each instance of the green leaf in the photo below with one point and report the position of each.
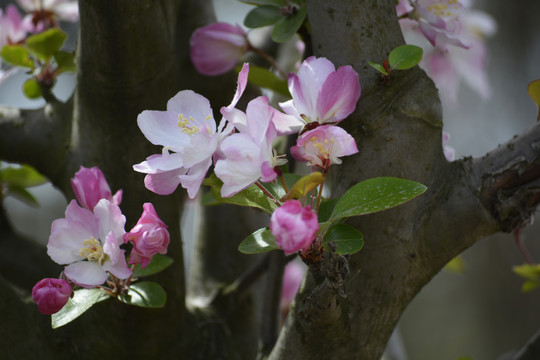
(65, 61)
(44, 45)
(252, 196)
(456, 265)
(534, 92)
(375, 195)
(262, 16)
(17, 55)
(378, 67)
(304, 185)
(21, 194)
(158, 263)
(326, 208)
(145, 294)
(276, 3)
(24, 176)
(260, 241)
(266, 79)
(31, 88)
(528, 271)
(529, 285)
(287, 26)
(348, 239)
(405, 57)
(82, 300)
(275, 187)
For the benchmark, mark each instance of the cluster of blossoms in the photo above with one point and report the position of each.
(40, 16)
(88, 242)
(241, 147)
(452, 36)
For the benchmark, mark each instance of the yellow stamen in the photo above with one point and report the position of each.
(93, 251)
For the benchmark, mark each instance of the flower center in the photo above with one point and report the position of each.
(188, 125)
(322, 147)
(443, 10)
(93, 251)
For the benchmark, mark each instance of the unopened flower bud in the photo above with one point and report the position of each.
(90, 186)
(149, 237)
(294, 226)
(216, 48)
(51, 295)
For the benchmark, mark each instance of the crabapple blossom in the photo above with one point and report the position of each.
(440, 21)
(320, 93)
(90, 186)
(248, 156)
(149, 237)
(216, 48)
(447, 65)
(187, 131)
(44, 14)
(12, 28)
(51, 295)
(89, 243)
(323, 146)
(294, 226)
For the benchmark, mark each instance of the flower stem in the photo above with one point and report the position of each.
(269, 59)
(267, 193)
(319, 196)
(282, 181)
(521, 246)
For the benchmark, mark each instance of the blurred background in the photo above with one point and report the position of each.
(480, 313)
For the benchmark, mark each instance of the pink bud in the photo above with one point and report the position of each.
(149, 237)
(292, 278)
(216, 48)
(294, 226)
(90, 186)
(51, 295)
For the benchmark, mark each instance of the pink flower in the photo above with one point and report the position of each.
(189, 136)
(323, 146)
(320, 93)
(90, 186)
(248, 156)
(216, 48)
(12, 28)
(440, 21)
(149, 237)
(51, 295)
(448, 65)
(294, 226)
(44, 14)
(292, 278)
(89, 243)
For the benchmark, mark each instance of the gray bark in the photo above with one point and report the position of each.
(134, 57)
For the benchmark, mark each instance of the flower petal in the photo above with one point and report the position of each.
(87, 274)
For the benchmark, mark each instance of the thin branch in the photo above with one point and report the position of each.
(508, 179)
(531, 350)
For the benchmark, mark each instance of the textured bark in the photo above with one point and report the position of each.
(133, 57)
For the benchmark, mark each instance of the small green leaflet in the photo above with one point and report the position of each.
(31, 89)
(252, 196)
(260, 241)
(24, 176)
(287, 26)
(262, 16)
(44, 45)
(375, 195)
(158, 264)
(531, 272)
(378, 67)
(405, 57)
(17, 55)
(347, 239)
(145, 294)
(82, 300)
